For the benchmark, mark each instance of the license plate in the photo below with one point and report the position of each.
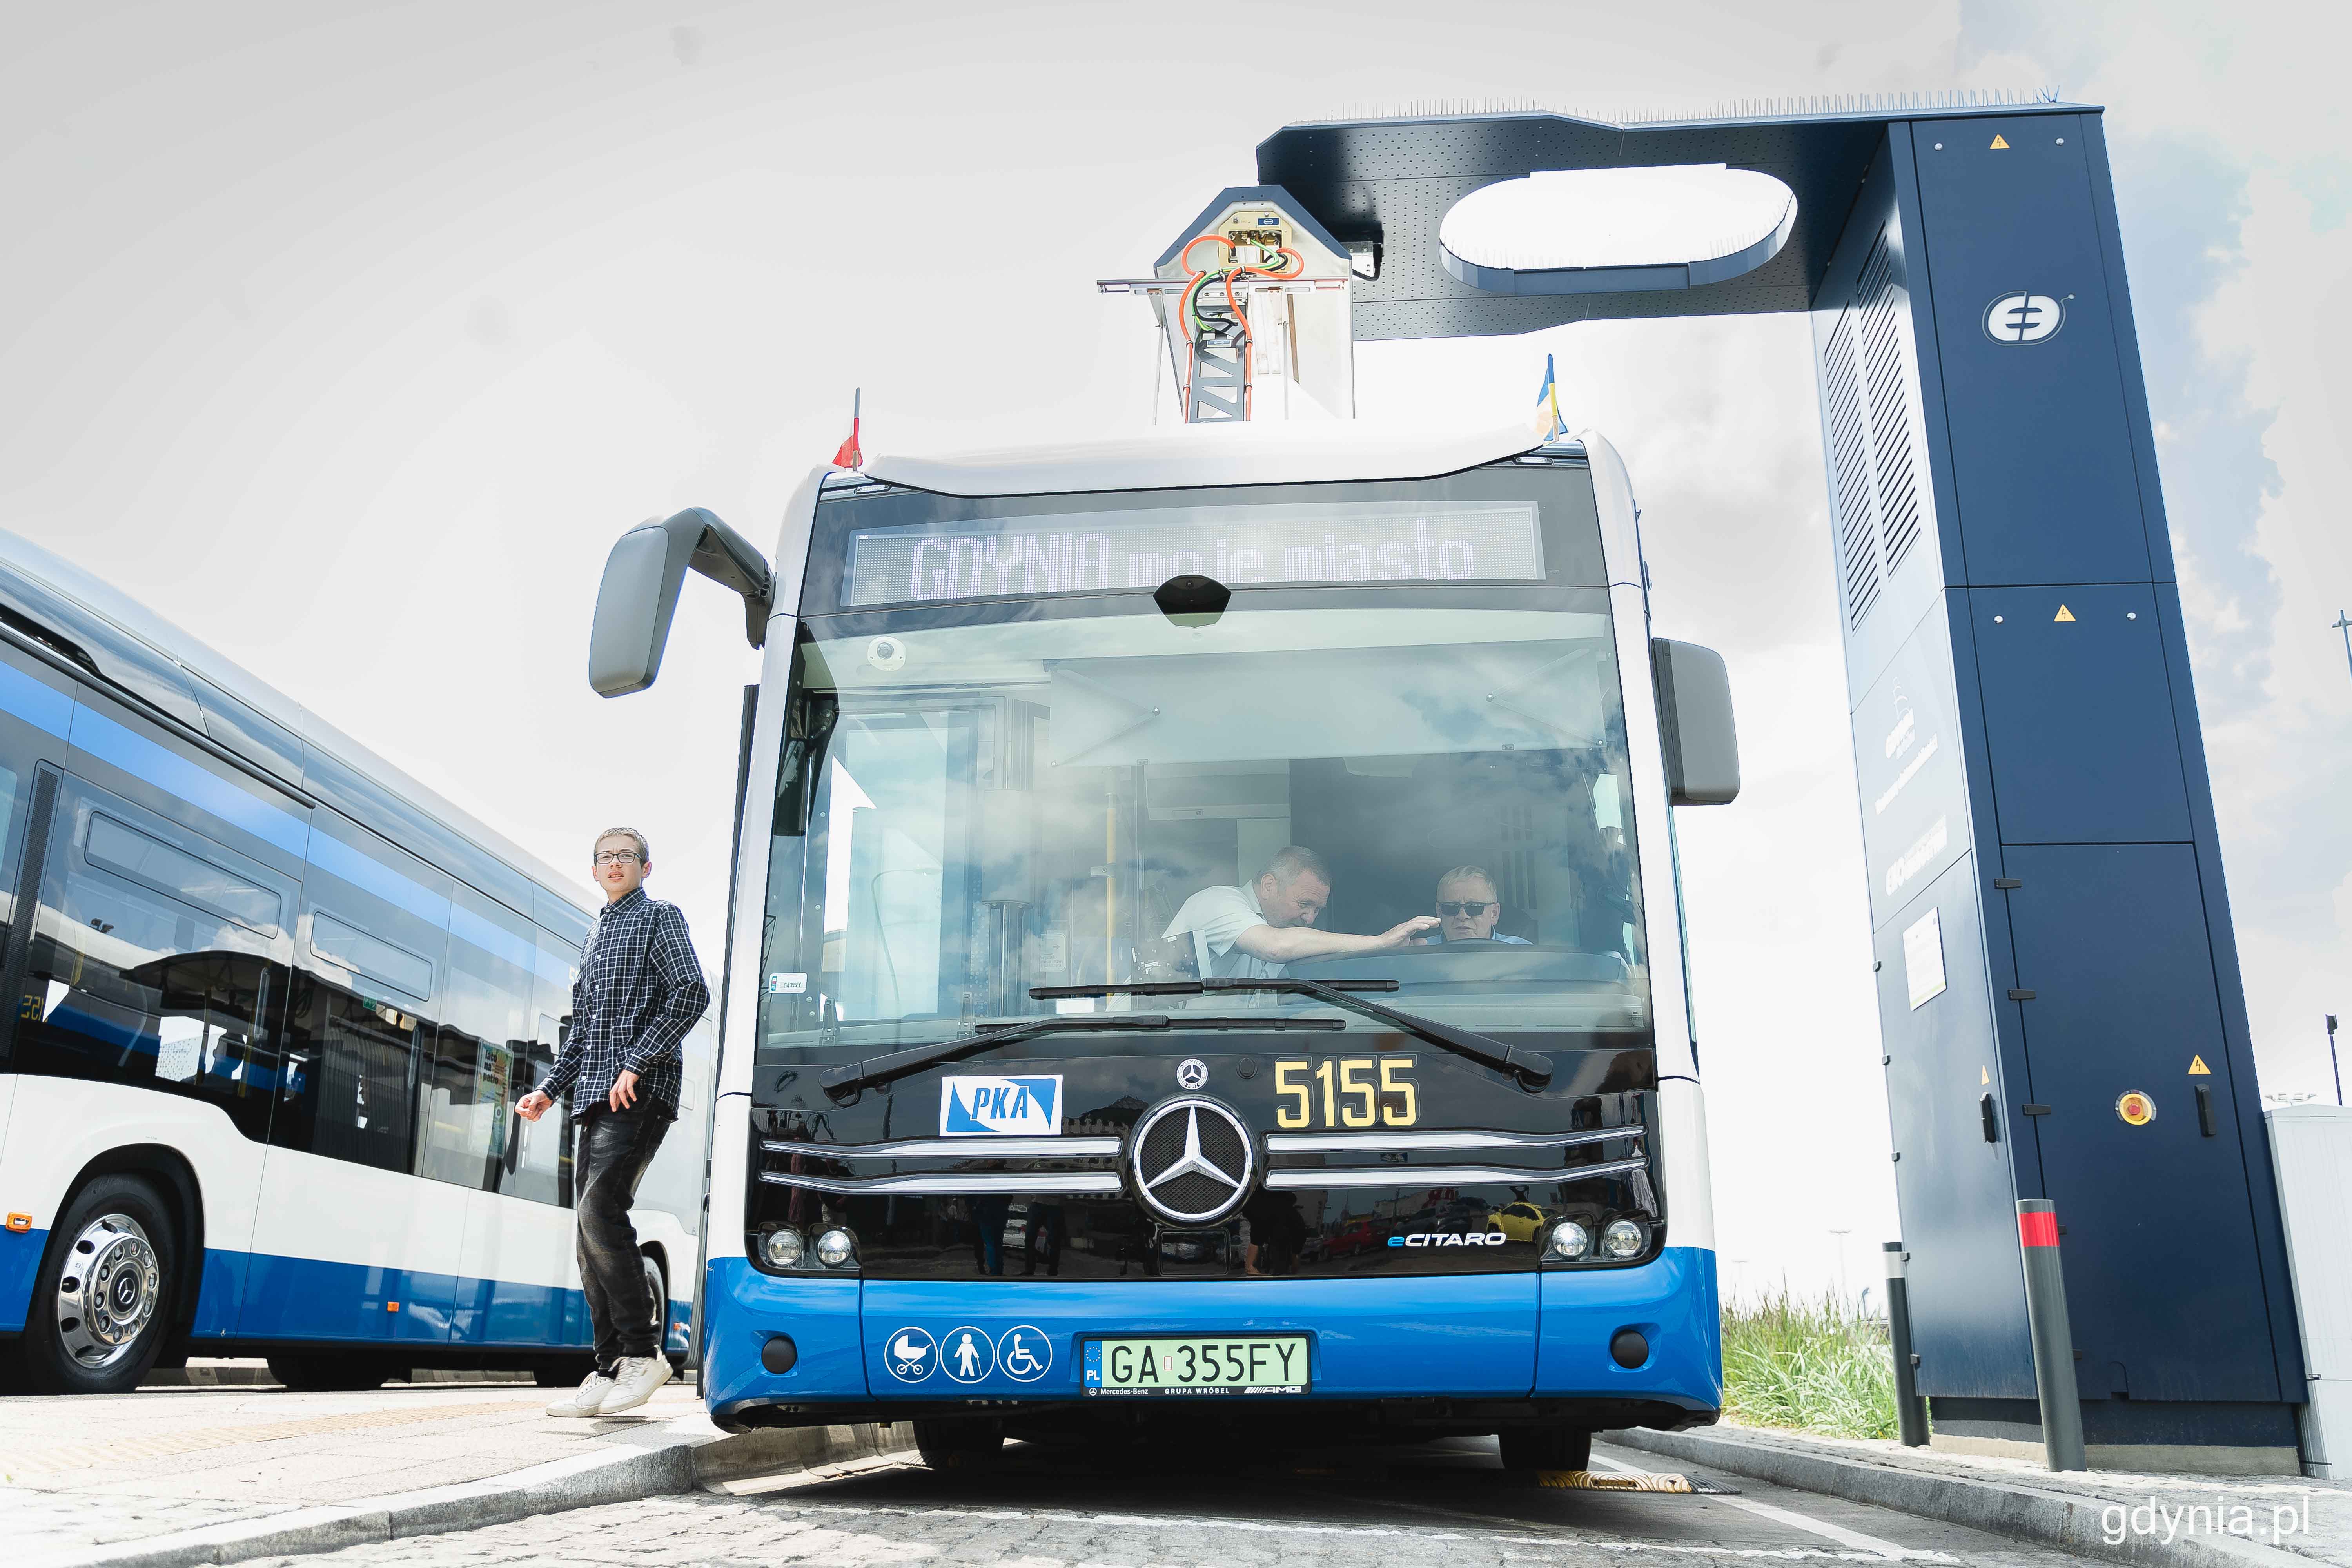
(1167, 1363)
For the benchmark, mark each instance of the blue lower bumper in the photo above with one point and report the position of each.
(884, 1343)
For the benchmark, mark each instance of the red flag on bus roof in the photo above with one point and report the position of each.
(850, 457)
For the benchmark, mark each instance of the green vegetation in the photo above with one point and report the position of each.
(1810, 1365)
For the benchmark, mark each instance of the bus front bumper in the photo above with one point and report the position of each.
(1469, 1351)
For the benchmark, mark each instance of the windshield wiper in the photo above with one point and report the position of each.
(1532, 1068)
(842, 1083)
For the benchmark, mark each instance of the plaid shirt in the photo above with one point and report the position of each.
(640, 989)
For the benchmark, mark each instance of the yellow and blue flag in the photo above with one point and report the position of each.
(1547, 423)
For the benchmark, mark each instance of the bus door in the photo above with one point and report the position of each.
(351, 1244)
(517, 1241)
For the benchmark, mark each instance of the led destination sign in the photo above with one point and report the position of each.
(1131, 551)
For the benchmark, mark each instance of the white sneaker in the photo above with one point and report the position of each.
(585, 1400)
(634, 1383)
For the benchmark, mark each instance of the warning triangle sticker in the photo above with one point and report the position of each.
(1984, 1076)
(1998, 143)
(2063, 613)
(2197, 1066)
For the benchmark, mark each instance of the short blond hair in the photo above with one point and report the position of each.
(645, 850)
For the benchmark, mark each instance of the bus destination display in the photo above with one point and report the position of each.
(1135, 551)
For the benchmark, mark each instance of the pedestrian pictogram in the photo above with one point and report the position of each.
(2197, 1066)
(2063, 613)
(2000, 143)
(967, 1355)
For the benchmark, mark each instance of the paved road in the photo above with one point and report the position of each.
(1444, 1506)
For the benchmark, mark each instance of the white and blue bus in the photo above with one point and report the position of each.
(1002, 1143)
(274, 1003)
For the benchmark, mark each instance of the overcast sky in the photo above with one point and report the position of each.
(350, 338)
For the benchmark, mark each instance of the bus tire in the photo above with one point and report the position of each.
(102, 1301)
(960, 1445)
(1545, 1448)
(331, 1372)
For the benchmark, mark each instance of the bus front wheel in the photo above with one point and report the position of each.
(960, 1445)
(101, 1305)
(1545, 1448)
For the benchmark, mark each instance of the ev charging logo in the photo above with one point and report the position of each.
(2016, 319)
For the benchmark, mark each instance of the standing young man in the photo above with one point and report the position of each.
(640, 990)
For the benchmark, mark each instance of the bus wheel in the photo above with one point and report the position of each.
(1545, 1448)
(101, 1305)
(331, 1372)
(965, 1445)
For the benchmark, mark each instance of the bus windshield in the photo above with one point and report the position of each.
(1095, 795)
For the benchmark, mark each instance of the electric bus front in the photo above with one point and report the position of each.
(1208, 950)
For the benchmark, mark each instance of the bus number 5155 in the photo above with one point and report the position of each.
(1347, 1091)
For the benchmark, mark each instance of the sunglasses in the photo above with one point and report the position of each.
(1474, 911)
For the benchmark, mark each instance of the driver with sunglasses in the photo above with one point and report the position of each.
(1467, 908)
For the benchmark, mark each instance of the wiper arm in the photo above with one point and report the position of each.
(842, 1083)
(1532, 1068)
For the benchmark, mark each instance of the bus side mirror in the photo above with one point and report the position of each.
(1695, 722)
(638, 597)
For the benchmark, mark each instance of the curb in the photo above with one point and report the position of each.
(2069, 1521)
(683, 1455)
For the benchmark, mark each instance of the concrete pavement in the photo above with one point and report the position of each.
(222, 1474)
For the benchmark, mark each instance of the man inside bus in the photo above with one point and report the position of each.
(639, 990)
(1250, 932)
(1468, 906)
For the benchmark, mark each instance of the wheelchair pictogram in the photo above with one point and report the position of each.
(1023, 1354)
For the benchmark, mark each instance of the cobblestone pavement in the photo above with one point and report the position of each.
(1443, 1506)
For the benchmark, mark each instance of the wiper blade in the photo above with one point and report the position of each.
(1532, 1068)
(842, 1083)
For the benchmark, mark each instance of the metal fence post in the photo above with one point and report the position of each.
(2053, 1341)
(1910, 1410)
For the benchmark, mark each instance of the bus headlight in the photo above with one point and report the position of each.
(1624, 1239)
(834, 1248)
(1569, 1240)
(781, 1247)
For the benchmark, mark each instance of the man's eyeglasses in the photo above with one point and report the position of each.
(1466, 907)
(616, 857)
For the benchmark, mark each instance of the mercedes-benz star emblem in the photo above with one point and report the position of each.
(1191, 1073)
(1194, 1160)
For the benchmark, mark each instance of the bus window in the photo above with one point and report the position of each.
(464, 1111)
(1037, 802)
(351, 1073)
(151, 963)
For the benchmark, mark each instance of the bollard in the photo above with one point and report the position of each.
(2053, 1341)
(1910, 1410)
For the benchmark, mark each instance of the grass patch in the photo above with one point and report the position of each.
(1808, 1365)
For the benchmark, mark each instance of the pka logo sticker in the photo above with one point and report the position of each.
(2024, 318)
(1001, 1107)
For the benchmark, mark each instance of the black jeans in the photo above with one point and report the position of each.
(615, 1147)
